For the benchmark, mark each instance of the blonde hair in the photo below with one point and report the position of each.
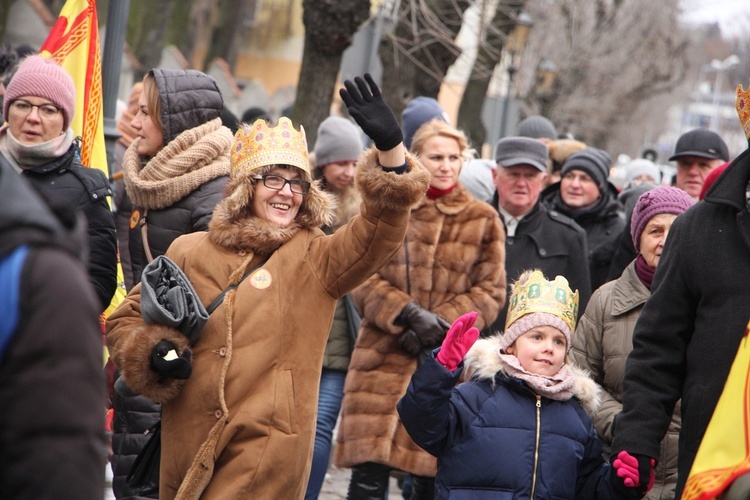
(438, 128)
(151, 91)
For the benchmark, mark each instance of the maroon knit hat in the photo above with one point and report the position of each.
(41, 77)
(660, 200)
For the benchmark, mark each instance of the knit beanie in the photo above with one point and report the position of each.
(537, 127)
(40, 77)
(660, 200)
(534, 320)
(593, 161)
(639, 167)
(419, 111)
(338, 140)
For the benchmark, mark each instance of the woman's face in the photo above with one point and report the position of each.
(152, 138)
(341, 174)
(441, 156)
(654, 236)
(541, 350)
(34, 120)
(278, 206)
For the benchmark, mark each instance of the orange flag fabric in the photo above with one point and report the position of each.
(724, 452)
(73, 43)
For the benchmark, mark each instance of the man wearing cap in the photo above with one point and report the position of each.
(697, 153)
(585, 195)
(536, 236)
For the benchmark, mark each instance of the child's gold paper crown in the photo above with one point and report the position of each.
(743, 109)
(261, 145)
(537, 295)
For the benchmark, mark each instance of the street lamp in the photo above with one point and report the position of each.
(720, 67)
(515, 43)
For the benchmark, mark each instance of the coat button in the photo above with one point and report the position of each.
(542, 252)
(95, 196)
(242, 253)
(509, 241)
(217, 414)
(223, 352)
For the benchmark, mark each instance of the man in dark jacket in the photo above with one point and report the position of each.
(537, 238)
(688, 334)
(51, 378)
(585, 195)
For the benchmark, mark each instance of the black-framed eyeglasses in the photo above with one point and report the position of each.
(278, 182)
(22, 107)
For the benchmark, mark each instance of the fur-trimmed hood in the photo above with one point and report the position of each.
(483, 361)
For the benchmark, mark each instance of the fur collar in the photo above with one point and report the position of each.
(483, 362)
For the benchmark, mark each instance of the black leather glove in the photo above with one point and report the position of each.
(429, 328)
(372, 114)
(179, 368)
(409, 342)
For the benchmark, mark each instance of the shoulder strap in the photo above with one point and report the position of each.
(10, 290)
(144, 236)
(218, 300)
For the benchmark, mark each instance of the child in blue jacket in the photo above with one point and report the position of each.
(518, 428)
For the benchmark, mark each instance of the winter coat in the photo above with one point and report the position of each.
(65, 180)
(175, 192)
(51, 379)
(452, 261)
(688, 334)
(243, 424)
(601, 344)
(551, 242)
(604, 222)
(494, 437)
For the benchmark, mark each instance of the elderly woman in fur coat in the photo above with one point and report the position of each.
(238, 406)
(517, 428)
(452, 261)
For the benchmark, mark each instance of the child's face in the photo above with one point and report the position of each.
(541, 350)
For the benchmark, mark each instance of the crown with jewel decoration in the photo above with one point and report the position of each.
(262, 145)
(537, 295)
(743, 109)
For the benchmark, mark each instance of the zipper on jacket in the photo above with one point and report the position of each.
(536, 446)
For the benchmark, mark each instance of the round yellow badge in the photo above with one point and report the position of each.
(261, 279)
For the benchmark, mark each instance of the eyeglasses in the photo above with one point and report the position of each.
(276, 182)
(22, 107)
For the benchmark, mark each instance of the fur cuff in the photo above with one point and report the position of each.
(388, 191)
(135, 362)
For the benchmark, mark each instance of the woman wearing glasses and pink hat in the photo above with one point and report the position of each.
(238, 405)
(38, 142)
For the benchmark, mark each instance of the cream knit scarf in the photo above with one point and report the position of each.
(193, 158)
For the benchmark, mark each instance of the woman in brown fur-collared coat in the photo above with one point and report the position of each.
(238, 406)
(452, 262)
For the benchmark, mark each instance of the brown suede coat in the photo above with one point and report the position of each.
(243, 425)
(456, 251)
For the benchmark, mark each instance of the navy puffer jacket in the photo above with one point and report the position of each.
(487, 440)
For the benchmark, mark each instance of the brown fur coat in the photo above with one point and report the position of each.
(456, 248)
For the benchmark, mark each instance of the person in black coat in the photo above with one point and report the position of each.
(537, 237)
(51, 379)
(38, 143)
(690, 329)
(585, 195)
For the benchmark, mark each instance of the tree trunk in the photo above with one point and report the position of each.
(488, 55)
(146, 32)
(224, 36)
(329, 29)
(178, 33)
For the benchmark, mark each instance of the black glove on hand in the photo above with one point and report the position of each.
(429, 328)
(409, 342)
(371, 113)
(179, 368)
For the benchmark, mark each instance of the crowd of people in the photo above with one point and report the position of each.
(383, 300)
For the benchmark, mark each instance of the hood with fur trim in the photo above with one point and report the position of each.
(484, 362)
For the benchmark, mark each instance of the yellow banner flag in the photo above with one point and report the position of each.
(724, 452)
(73, 43)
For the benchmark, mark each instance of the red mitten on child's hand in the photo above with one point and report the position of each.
(459, 339)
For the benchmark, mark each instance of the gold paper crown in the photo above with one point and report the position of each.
(261, 145)
(743, 109)
(537, 295)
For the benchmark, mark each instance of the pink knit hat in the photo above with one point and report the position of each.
(40, 77)
(534, 320)
(660, 200)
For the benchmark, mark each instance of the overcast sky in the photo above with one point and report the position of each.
(733, 15)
